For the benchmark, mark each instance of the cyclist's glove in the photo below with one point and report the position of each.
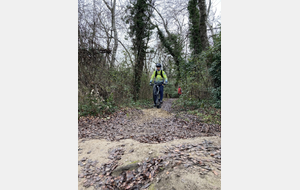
(150, 83)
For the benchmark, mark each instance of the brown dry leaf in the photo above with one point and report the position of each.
(120, 126)
(178, 163)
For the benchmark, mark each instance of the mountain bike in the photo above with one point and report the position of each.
(156, 92)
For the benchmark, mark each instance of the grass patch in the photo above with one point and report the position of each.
(134, 162)
(152, 187)
(140, 104)
(202, 109)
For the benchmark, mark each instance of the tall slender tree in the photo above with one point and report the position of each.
(140, 13)
(112, 9)
(202, 26)
(194, 27)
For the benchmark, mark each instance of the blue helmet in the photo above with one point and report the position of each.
(158, 65)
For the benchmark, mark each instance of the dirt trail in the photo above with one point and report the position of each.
(183, 172)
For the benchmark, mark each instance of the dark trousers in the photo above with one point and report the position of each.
(161, 91)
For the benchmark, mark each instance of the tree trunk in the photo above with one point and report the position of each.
(138, 70)
(115, 34)
(114, 30)
(141, 53)
(203, 31)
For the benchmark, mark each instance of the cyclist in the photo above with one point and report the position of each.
(160, 76)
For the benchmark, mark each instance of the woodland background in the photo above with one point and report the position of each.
(119, 43)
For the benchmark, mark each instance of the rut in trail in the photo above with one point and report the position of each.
(147, 126)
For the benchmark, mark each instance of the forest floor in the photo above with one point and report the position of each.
(148, 149)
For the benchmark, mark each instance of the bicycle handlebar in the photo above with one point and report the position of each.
(158, 83)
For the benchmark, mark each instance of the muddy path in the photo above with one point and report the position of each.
(148, 149)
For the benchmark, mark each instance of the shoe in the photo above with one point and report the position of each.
(154, 105)
(161, 102)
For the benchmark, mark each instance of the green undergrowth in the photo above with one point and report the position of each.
(204, 109)
(139, 104)
(94, 106)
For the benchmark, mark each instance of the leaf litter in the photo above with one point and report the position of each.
(124, 125)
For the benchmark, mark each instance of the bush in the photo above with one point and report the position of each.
(215, 71)
(171, 90)
(95, 105)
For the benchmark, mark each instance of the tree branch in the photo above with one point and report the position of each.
(107, 5)
(165, 26)
(208, 8)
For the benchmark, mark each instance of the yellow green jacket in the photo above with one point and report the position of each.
(158, 77)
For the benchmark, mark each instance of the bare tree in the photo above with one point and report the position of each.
(112, 9)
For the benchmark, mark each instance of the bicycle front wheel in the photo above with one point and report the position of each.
(155, 94)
